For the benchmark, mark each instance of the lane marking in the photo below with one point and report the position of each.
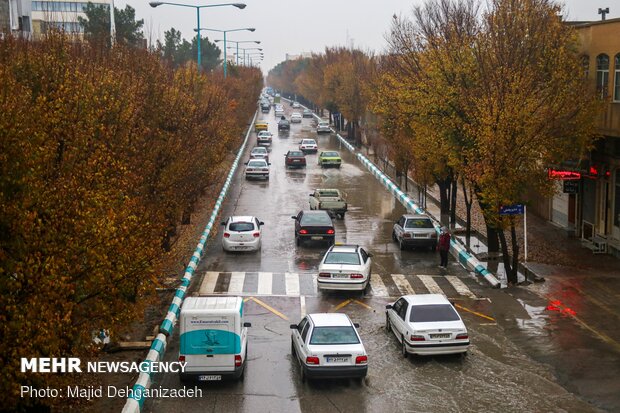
(208, 284)
(475, 313)
(430, 284)
(315, 284)
(236, 283)
(268, 307)
(460, 286)
(302, 305)
(378, 287)
(403, 285)
(265, 280)
(291, 281)
(363, 304)
(339, 306)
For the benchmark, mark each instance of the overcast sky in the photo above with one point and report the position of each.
(295, 26)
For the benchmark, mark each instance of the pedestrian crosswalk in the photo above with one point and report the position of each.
(305, 284)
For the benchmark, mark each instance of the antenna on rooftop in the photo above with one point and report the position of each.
(603, 12)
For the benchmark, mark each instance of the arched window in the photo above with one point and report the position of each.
(602, 75)
(617, 78)
(585, 65)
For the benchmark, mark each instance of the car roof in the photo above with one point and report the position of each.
(260, 148)
(416, 216)
(308, 139)
(330, 319)
(344, 248)
(424, 299)
(315, 212)
(242, 218)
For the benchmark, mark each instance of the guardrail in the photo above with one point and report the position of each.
(456, 248)
(156, 353)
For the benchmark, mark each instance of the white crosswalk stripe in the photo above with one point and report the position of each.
(390, 285)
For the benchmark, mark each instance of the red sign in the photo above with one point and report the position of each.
(563, 175)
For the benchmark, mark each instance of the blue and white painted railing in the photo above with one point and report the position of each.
(456, 248)
(158, 346)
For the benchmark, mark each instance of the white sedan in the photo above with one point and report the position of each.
(259, 152)
(345, 267)
(308, 145)
(296, 117)
(426, 324)
(242, 233)
(257, 168)
(328, 345)
(264, 138)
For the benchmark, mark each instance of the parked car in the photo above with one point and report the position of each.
(264, 138)
(329, 158)
(315, 226)
(260, 125)
(296, 105)
(295, 159)
(323, 127)
(296, 117)
(284, 124)
(308, 146)
(279, 111)
(257, 168)
(259, 152)
(415, 231)
(242, 233)
(307, 113)
(345, 267)
(426, 324)
(327, 345)
(330, 200)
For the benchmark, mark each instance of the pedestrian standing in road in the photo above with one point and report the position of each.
(444, 247)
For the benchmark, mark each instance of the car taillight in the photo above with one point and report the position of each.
(417, 338)
(357, 276)
(331, 231)
(406, 235)
(361, 360)
(303, 231)
(238, 360)
(256, 234)
(312, 360)
(462, 336)
(181, 359)
(226, 235)
(324, 274)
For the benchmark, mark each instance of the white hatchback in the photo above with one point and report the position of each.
(345, 267)
(323, 127)
(426, 324)
(308, 145)
(296, 117)
(327, 345)
(242, 233)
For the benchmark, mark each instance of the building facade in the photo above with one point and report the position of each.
(15, 17)
(61, 15)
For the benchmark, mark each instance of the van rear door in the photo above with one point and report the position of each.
(210, 343)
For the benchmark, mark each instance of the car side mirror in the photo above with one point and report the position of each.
(310, 194)
(356, 325)
(268, 163)
(388, 307)
(245, 163)
(223, 223)
(369, 255)
(293, 326)
(261, 223)
(246, 324)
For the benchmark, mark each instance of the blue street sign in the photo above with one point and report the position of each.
(516, 209)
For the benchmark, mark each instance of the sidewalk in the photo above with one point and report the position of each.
(550, 251)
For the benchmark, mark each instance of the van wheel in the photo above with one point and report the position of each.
(403, 347)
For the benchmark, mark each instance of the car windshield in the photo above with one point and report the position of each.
(316, 219)
(241, 226)
(350, 258)
(429, 313)
(259, 150)
(330, 154)
(323, 123)
(329, 194)
(334, 335)
(257, 163)
(295, 153)
(418, 223)
(308, 142)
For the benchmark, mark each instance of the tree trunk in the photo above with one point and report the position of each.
(453, 194)
(444, 199)
(468, 203)
(510, 274)
(492, 239)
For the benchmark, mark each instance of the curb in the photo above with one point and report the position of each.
(135, 402)
(458, 251)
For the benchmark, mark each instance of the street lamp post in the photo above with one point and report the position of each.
(242, 41)
(251, 29)
(159, 3)
(244, 49)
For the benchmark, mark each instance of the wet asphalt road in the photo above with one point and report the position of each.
(516, 363)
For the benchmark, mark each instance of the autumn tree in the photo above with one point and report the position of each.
(97, 24)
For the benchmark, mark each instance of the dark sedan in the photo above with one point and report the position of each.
(284, 124)
(295, 159)
(314, 226)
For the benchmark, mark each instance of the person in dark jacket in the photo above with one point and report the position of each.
(444, 247)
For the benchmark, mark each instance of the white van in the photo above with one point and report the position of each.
(214, 338)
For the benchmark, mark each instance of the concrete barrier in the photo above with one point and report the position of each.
(158, 347)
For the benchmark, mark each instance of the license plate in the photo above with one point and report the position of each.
(440, 335)
(316, 238)
(210, 378)
(420, 236)
(337, 359)
(340, 275)
(295, 160)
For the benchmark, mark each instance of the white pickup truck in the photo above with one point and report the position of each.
(329, 200)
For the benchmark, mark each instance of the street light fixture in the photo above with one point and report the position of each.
(159, 3)
(237, 42)
(250, 29)
(246, 48)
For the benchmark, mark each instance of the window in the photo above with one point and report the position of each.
(241, 226)
(304, 332)
(413, 223)
(347, 258)
(433, 312)
(334, 335)
(602, 75)
(402, 311)
(617, 78)
(364, 255)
